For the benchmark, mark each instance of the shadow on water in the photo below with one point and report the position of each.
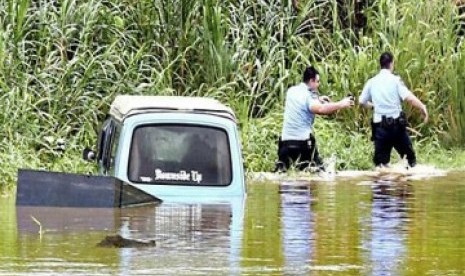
(351, 227)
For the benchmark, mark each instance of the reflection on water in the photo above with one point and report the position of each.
(186, 235)
(291, 228)
(297, 227)
(386, 237)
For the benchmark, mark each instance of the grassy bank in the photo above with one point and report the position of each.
(62, 63)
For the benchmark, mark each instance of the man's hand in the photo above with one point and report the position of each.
(424, 112)
(347, 102)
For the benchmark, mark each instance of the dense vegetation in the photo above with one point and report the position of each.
(63, 61)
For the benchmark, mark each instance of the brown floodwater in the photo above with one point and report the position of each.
(349, 227)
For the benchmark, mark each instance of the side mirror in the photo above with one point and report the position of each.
(88, 154)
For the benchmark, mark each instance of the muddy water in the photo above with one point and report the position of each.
(293, 228)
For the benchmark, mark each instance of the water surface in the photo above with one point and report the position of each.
(291, 228)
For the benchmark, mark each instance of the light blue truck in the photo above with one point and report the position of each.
(169, 147)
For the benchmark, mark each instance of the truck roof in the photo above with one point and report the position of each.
(127, 105)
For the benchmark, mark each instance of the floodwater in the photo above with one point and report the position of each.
(349, 227)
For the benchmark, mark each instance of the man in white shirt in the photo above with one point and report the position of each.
(385, 93)
(297, 144)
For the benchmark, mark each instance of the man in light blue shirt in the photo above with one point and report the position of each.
(297, 144)
(385, 93)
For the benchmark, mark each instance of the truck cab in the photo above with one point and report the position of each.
(172, 146)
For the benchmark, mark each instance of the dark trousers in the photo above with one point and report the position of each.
(386, 138)
(302, 154)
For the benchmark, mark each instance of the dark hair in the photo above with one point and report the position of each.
(385, 60)
(310, 73)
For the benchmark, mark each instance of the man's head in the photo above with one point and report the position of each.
(311, 78)
(386, 61)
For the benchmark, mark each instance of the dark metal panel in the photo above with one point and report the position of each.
(42, 188)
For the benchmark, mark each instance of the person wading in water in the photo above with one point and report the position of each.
(297, 144)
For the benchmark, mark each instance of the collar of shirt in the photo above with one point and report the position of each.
(315, 94)
(385, 71)
(303, 86)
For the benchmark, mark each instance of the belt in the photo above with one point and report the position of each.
(388, 122)
(296, 142)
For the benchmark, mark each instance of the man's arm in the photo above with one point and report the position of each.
(406, 95)
(415, 102)
(366, 104)
(365, 97)
(329, 108)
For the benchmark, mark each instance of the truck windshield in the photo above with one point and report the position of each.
(180, 155)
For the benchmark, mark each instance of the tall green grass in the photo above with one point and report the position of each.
(62, 63)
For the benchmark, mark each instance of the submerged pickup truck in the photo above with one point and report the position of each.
(163, 146)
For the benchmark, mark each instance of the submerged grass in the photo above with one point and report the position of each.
(62, 63)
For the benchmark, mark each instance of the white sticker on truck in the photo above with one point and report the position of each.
(184, 176)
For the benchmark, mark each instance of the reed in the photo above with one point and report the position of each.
(41, 231)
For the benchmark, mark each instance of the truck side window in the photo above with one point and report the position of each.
(104, 144)
(114, 147)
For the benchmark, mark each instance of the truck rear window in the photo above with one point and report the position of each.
(180, 155)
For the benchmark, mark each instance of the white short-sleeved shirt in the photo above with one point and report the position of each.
(386, 91)
(298, 119)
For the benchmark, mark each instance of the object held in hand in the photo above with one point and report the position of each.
(351, 98)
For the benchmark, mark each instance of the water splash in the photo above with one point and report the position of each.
(330, 168)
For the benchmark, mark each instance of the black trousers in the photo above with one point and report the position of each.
(302, 154)
(387, 137)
